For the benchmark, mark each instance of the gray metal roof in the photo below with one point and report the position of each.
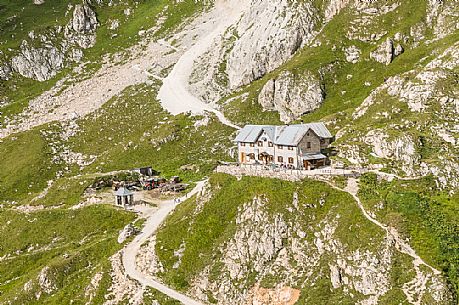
(282, 135)
(249, 133)
(123, 192)
(313, 156)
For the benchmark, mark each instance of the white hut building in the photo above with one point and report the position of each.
(292, 146)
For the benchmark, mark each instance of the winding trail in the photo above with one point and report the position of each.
(151, 225)
(352, 188)
(174, 94)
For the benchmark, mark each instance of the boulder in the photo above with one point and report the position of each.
(127, 232)
(38, 63)
(292, 96)
(384, 53)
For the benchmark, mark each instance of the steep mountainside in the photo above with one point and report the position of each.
(79, 84)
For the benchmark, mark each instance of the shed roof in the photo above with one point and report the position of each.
(282, 135)
(313, 156)
(123, 192)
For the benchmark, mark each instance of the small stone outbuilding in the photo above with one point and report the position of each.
(124, 197)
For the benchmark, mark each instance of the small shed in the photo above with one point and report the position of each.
(124, 197)
(146, 171)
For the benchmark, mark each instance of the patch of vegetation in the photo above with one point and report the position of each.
(72, 244)
(422, 213)
(26, 166)
(132, 130)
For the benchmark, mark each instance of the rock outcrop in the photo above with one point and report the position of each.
(290, 253)
(38, 63)
(128, 231)
(81, 29)
(401, 149)
(42, 56)
(352, 54)
(268, 34)
(291, 95)
(334, 7)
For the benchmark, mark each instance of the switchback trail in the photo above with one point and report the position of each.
(151, 225)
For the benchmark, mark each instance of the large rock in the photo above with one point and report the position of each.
(38, 63)
(81, 29)
(386, 52)
(128, 231)
(292, 96)
(269, 34)
(401, 149)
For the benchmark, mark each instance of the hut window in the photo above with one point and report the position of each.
(260, 157)
(290, 160)
(252, 144)
(270, 144)
(290, 148)
(242, 144)
(309, 144)
(260, 143)
(280, 146)
(280, 159)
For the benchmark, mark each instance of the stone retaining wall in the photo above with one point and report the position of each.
(284, 174)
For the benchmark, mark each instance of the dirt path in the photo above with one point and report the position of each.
(151, 225)
(174, 94)
(352, 188)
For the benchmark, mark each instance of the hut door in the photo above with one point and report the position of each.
(306, 164)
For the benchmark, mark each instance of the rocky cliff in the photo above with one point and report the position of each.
(42, 55)
(302, 247)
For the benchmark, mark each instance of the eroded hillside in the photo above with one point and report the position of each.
(79, 84)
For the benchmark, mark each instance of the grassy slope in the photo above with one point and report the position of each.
(132, 130)
(25, 165)
(205, 232)
(72, 251)
(422, 213)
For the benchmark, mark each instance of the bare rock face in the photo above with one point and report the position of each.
(334, 7)
(268, 34)
(402, 149)
(442, 17)
(5, 71)
(384, 53)
(82, 27)
(291, 96)
(38, 63)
